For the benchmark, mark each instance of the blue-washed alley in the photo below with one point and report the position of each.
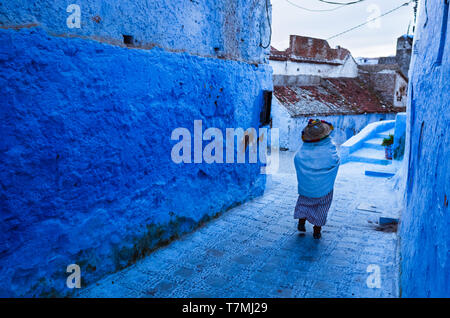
(255, 250)
(140, 140)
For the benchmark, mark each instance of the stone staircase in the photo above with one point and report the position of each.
(372, 151)
(366, 149)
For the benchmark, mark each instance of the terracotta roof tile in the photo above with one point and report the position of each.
(307, 49)
(332, 97)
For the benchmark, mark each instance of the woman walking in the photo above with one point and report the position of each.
(316, 164)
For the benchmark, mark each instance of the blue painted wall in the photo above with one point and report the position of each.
(399, 136)
(86, 175)
(232, 29)
(425, 224)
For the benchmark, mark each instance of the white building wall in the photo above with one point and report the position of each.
(400, 90)
(348, 69)
(345, 126)
(366, 60)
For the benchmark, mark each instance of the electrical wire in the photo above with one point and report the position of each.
(362, 24)
(342, 3)
(314, 10)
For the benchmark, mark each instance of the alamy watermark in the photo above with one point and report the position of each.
(374, 279)
(74, 19)
(252, 141)
(74, 279)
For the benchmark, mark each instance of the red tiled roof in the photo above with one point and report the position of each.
(333, 96)
(307, 49)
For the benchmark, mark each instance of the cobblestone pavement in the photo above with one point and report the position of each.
(255, 250)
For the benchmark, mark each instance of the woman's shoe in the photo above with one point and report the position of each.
(317, 234)
(301, 225)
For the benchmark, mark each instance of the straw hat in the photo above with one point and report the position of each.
(316, 130)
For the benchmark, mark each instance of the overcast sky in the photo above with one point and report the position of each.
(379, 38)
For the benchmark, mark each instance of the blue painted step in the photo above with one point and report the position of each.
(370, 155)
(385, 134)
(374, 143)
(382, 174)
(387, 220)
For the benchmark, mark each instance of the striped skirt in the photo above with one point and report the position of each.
(314, 210)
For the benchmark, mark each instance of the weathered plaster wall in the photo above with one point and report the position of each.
(425, 223)
(388, 84)
(345, 126)
(399, 136)
(400, 92)
(86, 175)
(348, 69)
(404, 51)
(229, 29)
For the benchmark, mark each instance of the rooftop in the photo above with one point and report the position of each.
(312, 50)
(333, 96)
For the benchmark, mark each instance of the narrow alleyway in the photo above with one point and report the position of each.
(254, 250)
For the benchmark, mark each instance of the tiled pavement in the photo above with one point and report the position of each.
(254, 250)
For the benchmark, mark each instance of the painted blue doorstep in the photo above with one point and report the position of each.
(381, 174)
